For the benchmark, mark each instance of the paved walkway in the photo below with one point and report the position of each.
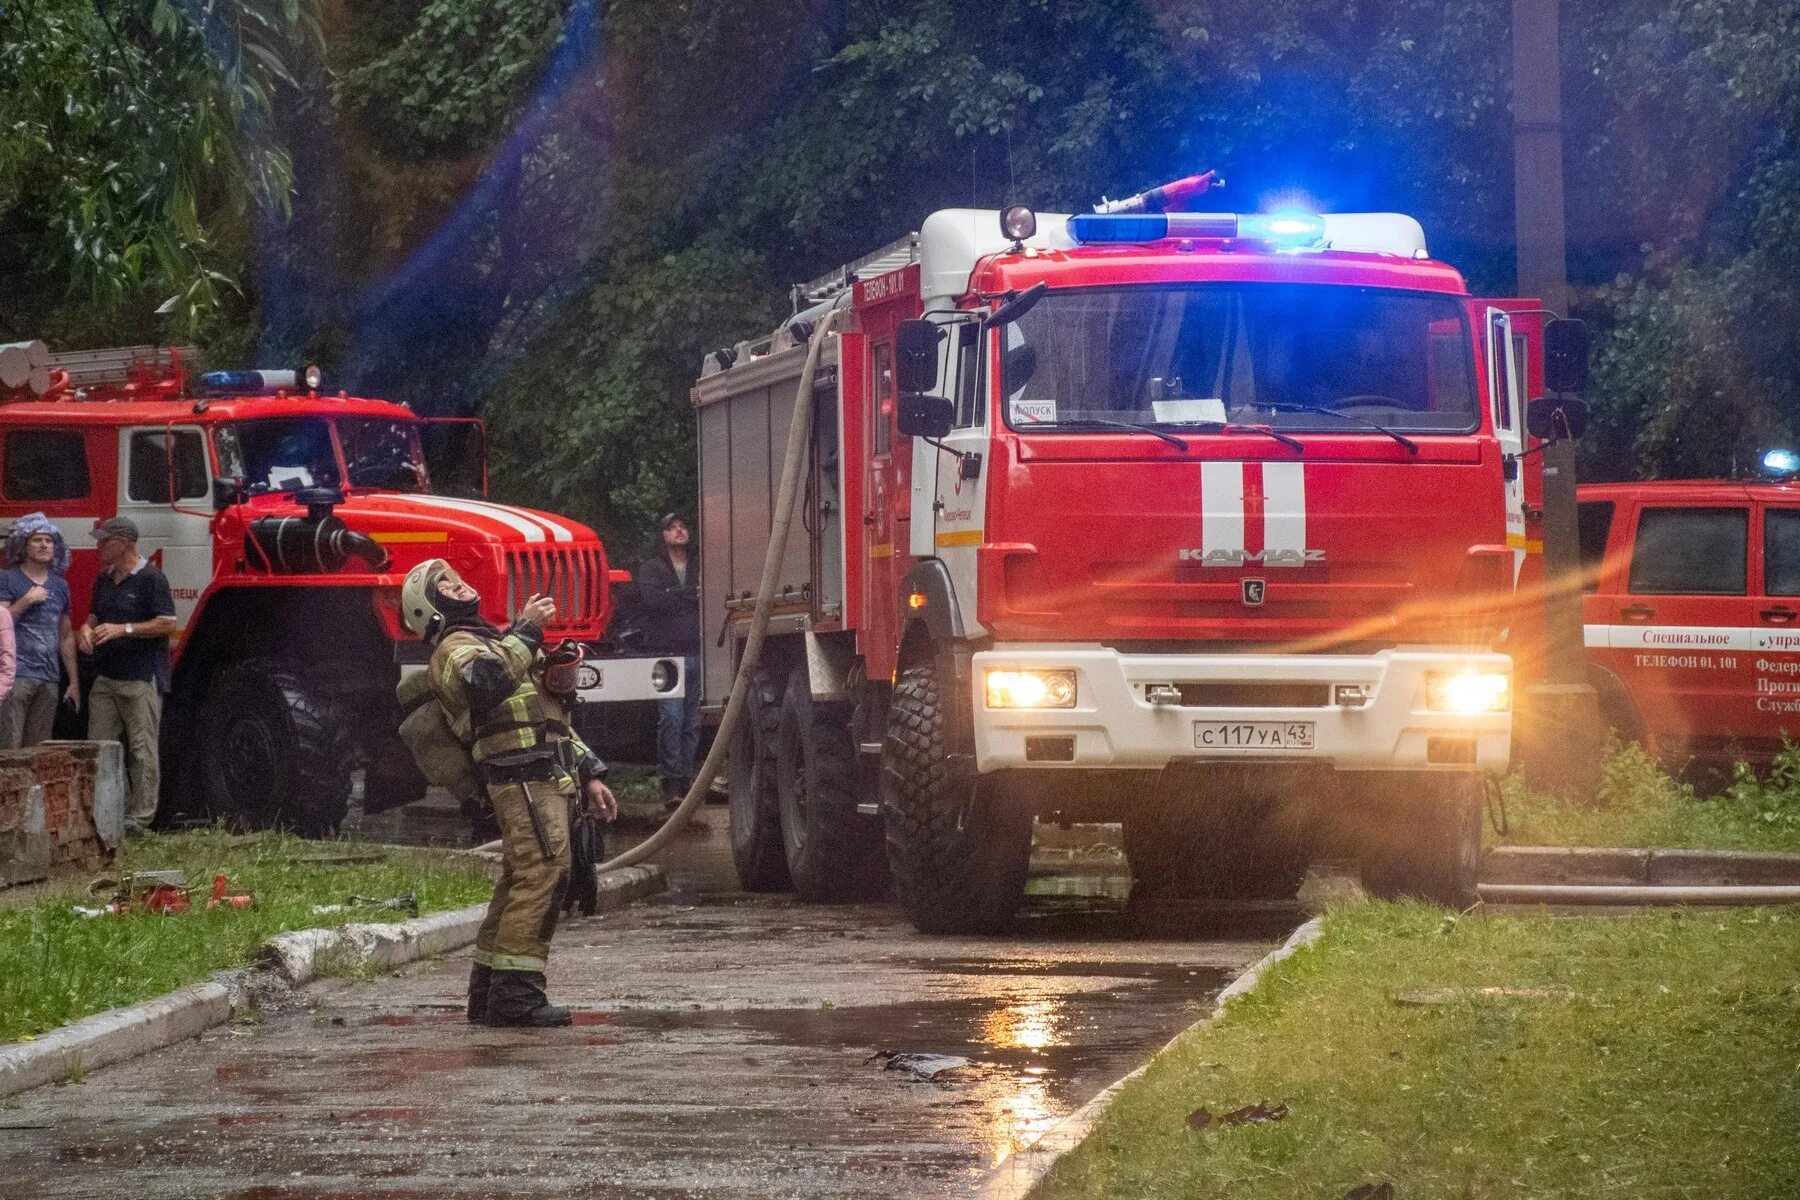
(726, 1046)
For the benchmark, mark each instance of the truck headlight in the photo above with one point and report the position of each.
(1030, 689)
(1468, 692)
(664, 675)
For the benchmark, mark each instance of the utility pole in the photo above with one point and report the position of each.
(1559, 712)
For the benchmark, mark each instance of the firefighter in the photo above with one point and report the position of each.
(533, 767)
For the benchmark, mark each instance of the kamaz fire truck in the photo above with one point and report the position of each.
(285, 519)
(1205, 523)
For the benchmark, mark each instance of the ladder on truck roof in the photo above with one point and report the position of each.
(902, 253)
(90, 368)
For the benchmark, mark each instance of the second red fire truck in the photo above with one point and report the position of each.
(1208, 523)
(285, 518)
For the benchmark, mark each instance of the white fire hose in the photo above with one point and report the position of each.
(798, 434)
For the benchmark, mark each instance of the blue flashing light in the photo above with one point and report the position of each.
(1781, 462)
(246, 381)
(1290, 227)
(1130, 227)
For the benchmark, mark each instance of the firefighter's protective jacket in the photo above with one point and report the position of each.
(487, 685)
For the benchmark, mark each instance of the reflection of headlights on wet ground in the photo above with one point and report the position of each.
(1022, 1116)
(1032, 1025)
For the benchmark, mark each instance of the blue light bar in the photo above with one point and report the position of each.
(246, 381)
(1282, 228)
(1134, 227)
(1288, 228)
(1781, 462)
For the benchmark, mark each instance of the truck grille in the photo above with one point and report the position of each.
(1254, 695)
(571, 576)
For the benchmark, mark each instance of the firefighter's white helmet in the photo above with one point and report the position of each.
(419, 594)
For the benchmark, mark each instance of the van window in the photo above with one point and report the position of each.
(1781, 551)
(1594, 518)
(148, 481)
(1690, 551)
(45, 464)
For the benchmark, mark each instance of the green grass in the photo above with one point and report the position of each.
(1639, 804)
(1663, 1066)
(56, 965)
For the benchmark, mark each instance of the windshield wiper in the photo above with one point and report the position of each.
(1178, 443)
(1327, 410)
(1294, 443)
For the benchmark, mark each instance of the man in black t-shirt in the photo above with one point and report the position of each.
(127, 631)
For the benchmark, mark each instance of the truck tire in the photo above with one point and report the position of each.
(1429, 845)
(753, 815)
(273, 756)
(1219, 848)
(833, 854)
(959, 846)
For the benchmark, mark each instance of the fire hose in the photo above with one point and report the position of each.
(791, 468)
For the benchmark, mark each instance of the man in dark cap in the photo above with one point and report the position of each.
(669, 590)
(127, 631)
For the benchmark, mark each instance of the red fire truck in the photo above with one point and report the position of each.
(285, 519)
(1202, 522)
(1691, 612)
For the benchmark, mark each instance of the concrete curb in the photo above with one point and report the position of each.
(113, 1036)
(1016, 1176)
(122, 1033)
(1617, 867)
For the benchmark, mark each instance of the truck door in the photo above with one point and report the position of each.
(1506, 397)
(1682, 633)
(961, 490)
(165, 485)
(886, 514)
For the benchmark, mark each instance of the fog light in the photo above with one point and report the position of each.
(1031, 689)
(664, 675)
(1468, 691)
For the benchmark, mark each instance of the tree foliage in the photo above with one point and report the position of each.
(132, 150)
(547, 211)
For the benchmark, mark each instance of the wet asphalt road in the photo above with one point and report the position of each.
(725, 1046)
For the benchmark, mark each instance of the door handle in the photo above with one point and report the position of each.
(1779, 614)
(868, 518)
(1637, 612)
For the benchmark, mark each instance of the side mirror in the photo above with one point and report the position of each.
(1017, 307)
(226, 491)
(1551, 418)
(1566, 355)
(916, 355)
(924, 415)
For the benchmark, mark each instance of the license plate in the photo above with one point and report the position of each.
(1253, 735)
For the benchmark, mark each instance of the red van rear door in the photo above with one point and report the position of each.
(1776, 662)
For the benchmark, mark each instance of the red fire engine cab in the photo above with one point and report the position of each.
(1205, 523)
(285, 519)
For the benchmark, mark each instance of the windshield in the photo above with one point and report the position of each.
(1242, 353)
(382, 454)
(281, 453)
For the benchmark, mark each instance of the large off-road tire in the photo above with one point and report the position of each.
(1221, 847)
(958, 844)
(1427, 842)
(833, 853)
(272, 753)
(753, 813)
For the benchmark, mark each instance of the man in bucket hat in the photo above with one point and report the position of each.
(34, 590)
(127, 631)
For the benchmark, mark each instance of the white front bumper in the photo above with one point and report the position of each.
(612, 680)
(1114, 725)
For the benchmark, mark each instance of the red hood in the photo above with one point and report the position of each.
(505, 552)
(1355, 540)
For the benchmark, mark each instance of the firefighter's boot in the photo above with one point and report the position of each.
(516, 998)
(480, 979)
